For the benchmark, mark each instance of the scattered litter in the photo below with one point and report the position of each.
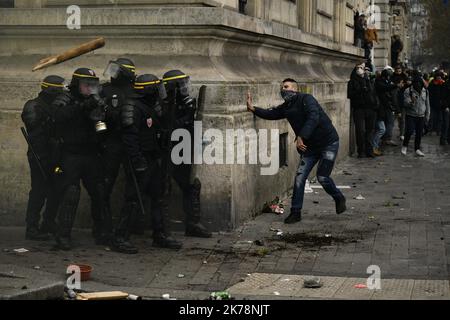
(316, 202)
(275, 206)
(107, 249)
(347, 173)
(371, 218)
(166, 296)
(402, 209)
(353, 208)
(21, 250)
(276, 293)
(286, 280)
(220, 295)
(359, 197)
(262, 252)
(205, 262)
(36, 267)
(387, 180)
(398, 197)
(316, 192)
(24, 288)
(70, 293)
(177, 221)
(133, 297)
(180, 275)
(259, 243)
(391, 204)
(107, 295)
(375, 181)
(279, 233)
(360, 286)
(312, 283)
(438, 208)
(327, 235)
(407, 166)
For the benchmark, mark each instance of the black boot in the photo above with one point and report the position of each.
(48, 227)
(123, 246)
(33, 233)
(162, 240)
(340, 204)
(64, 243)
(193, 213)
(294, 217)
(197, 230)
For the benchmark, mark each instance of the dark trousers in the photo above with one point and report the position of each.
(436, 119)
(365, 120)
(191, 191)
(41, 192)
(414, 124)
(150, 184)
(87, 168)
(445, 130)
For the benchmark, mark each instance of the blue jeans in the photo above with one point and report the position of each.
(326, 158)
(380, 130)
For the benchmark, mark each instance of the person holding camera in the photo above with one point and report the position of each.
(79, 120)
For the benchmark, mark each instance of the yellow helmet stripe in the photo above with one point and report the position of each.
(129, 66)
(84, 75)
(47, 84)
(146, 83)
(176, 77)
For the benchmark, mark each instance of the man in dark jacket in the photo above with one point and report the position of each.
(436, 90)
(37, 116)
(316, 138)
(364, 103)
(387, 92)
(445, 107)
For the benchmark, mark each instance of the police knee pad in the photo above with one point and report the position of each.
(72, 195)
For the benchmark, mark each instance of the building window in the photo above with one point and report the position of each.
(6, 3)
(283, 150)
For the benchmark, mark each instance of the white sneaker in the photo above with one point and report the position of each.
(402, 138)
(404, 150)
(420, 153)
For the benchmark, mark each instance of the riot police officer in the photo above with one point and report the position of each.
(37, 116)
(79, 118)
(177, 85)
(140, 135)
(122, 75)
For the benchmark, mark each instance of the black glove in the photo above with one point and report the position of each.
(62, 100)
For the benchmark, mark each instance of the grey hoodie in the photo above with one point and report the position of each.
(421, 105)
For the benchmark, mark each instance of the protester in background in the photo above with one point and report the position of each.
(387, 94)
(364, 103)
(400, 78)
(396, 49)
(445, 131)
(417, 106)
(436, 89)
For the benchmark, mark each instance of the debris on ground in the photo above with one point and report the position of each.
(371, 217)
(21, 250)
(312, 283)
(262, 252)
(259, 243)
(36, 267)
(276, 293)
(360, 286)
(347, 173)
(391, 204)
(316, 202)
(107, 295)
(180, 275)
(220, 295)
(308, 188)
(359, 197)
(398, 197)
(275, 206)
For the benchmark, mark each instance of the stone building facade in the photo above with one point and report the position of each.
(218, 46)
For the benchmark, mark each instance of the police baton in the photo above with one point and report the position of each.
(35, 156)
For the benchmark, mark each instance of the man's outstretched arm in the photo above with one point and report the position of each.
(275, 113)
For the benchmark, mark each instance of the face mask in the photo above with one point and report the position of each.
(287, 95)
(360, 72)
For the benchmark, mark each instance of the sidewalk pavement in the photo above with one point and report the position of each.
(402, 226)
